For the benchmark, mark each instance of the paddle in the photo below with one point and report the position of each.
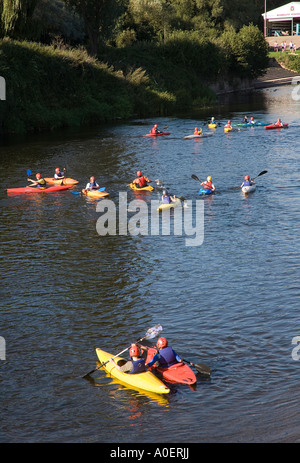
(150, 334)
(200, 367)
(196, 178)
(261, 173)
(29, 172)
(79, 192)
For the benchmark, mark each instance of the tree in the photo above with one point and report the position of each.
(15, 15)
(98, 16)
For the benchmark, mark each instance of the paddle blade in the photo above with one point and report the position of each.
(29, 173)
(262, 173)
(152, 332)
(195, 177)
(204, 370)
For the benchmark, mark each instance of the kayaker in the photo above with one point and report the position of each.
(228, 125)
(197, 131)
(167, 198)
(252, 122)
(58, 175)
(165, 356)
(208, 185)
(92, 185)
(155, 129)
(279, 123)
(39, 182)
(245, 120)
(141, 181)
(135, 365)
(247, 181)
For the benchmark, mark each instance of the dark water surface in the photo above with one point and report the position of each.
(231, 303)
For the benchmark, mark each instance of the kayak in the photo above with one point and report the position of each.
(146, 380)
(205, 191)
(248, 189)
(173, 204)
(28, 189)
(212, 126)
(275, 126)
(227, 129)
(145, 188)
(248, 124)
(65, 181)
(202, 135)
(95, 193)
(156, 134)
(180, 372)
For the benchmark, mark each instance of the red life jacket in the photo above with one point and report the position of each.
(208, 185)
(142, 182)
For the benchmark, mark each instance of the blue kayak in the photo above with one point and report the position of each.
(205, 191)
(248, 124)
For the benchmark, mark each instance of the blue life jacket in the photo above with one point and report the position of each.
(247, 183)
(167, 357)
(92, 185)
(138, 366)
(166, 200)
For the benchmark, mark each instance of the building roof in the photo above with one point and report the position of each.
(283, 13)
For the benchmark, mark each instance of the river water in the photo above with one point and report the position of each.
(230, 302)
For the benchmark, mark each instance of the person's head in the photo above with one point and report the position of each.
(155, 125)
(196, 129)
(278, 120)
(139, 173)
(228, 122)
(57, 170)
(213, 118)
(251, 118)
(92, 179)
(134, 351)
(38, 176)
(209, 179)
(247, 177)
(161, 343)
(165, 193)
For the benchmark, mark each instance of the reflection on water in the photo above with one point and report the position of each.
(231, 303)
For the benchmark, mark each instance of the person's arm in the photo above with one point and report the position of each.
(33, 182)
(154, 360)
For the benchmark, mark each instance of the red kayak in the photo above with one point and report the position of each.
(156, 134)
(28, 189)
(177, 373)
(276, 126)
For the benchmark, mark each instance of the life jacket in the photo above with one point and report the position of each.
(167, 357)
(207, 185)
(41, 183)
(166, 200)
(142, 182)
(247, 183)
(138, 366)
(154, 130)
(92, 185)
(58, 176)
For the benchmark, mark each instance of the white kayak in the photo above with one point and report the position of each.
(248, 189)
(202, 135)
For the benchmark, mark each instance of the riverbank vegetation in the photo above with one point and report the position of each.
(81, 62)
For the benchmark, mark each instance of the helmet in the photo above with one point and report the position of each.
(92, 179)
(38, 175)
(139, 173)
(247, 177)
(209, 179)
(134, 351)
(161, 343)
(212, 118)
(196, 129)
(57, 169)
(155, 125)
(228, 122)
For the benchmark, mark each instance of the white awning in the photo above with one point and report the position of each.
(283, 13)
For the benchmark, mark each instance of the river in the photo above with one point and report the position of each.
(230, 302)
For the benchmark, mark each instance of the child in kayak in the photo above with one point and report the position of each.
(197, 131)
(208, 185)
(228, 125)
(247, 181)
(133, 366)
(165, 356)
(155, 129)
(167, 198)
(92, 185)
(141, 181)
(58, 175)
(39, 182)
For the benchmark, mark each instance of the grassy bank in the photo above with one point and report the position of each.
(49, 88)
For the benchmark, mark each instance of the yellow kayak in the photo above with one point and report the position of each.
(145, 188)
(227, 129)
(95, 193)
(164, 206)
(65, 181)
(212, 126)
(146, 381)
